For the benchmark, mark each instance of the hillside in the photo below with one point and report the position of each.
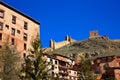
(90, 47)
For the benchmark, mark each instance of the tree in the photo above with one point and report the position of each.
(85, 72)
(9, 62)
(34, 66)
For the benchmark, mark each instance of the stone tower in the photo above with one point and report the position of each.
(68, 38)
(52, 44)
(93, 34)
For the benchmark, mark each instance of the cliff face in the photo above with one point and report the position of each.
(90, 48)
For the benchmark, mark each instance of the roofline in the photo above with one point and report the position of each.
(8, 6)
(54, 56)
(107, 56)
(62, 56)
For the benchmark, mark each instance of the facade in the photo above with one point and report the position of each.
(16, 28)
(106, 67)
(62, 67)
(67, 69)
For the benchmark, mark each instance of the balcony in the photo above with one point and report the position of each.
(63, 67)
(63, 77)
(63, 72)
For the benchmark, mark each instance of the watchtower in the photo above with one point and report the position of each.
(93, 34)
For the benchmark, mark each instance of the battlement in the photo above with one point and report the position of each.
(56, 45)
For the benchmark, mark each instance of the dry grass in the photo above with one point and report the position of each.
(101, 46)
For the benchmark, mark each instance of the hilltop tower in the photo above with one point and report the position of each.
(93, 34)
(52, 44)
(68, 38)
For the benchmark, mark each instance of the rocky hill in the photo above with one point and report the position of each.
(92, 47)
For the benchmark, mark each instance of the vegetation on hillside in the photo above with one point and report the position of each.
(90, 47)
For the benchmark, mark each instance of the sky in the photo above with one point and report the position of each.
(75, 18)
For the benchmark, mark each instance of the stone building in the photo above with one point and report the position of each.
(62, 67)
(16, 28)
(93, 34)
(106, 67)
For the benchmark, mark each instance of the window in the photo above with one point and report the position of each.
(75, 72)
(25, 46)
(25, 37)
(24, 54)
(55, 62)
(13, 31)
(51, 59)
(69, 71)
(7, 26)
(1, 26)
(25, 25)
(0, 36)
(55, 67)
(1, 13)
(13, 41)
(52, 73)
(13, 19)
(18, 31)
(0, 46)
(52, 67)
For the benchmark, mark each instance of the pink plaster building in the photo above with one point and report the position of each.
(16, 28)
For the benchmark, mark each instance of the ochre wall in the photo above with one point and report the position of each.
(32, 31)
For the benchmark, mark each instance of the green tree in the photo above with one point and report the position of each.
(34, 66)
(112, 78)
(85, 72)
(9, 63)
